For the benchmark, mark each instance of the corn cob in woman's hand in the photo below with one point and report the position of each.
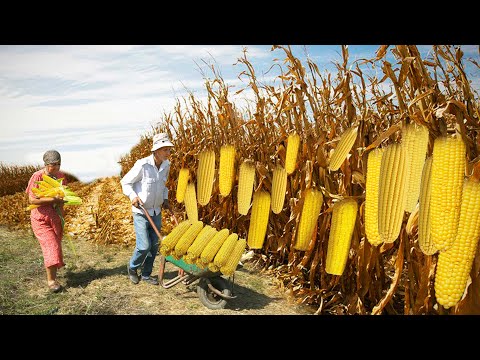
(50, 187)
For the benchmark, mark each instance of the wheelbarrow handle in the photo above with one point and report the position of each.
(151, 220)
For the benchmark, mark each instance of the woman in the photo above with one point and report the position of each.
(47, 219)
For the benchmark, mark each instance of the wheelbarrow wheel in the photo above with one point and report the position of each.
(208, 297)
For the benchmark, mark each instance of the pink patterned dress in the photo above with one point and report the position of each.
(47, 225)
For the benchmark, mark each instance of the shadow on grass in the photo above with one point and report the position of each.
(84, 277)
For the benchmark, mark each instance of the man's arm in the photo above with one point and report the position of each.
(131, 177)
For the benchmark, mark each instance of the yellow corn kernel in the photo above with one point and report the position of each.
(194, 251)
(343, 148)
(279, 187)
(308, 218)
(454, 265)
(212, 247)
(169, 241)
(234, 258)
(246, 178)
(448, 170)
(293, 143)
(259, 219)
(415, 138)
(183, 177)
(190, 200)
(344, 217)
(188, 238)
(374, 162)
(225, 250)
(424, 238)
(205, 176)
(226, 169)
(392, 192)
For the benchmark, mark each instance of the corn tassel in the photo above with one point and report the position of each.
(190, 201)
(187, 238)
(212, 248)
(344, 217)
(183, 177)
(308, 218)
(279, 187)
(246, 179)
(392, 192)
(448, 169)
(343, 148)
(293, 143)
(371, 196)
(168, 243)
(259, 219)
(205, 176)
(454, 265)
(234, 258)
(424, 238)
(226, 169)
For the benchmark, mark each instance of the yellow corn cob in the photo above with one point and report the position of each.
(31, 206)
(259, 219)
(246, 178)
(169, 241)
(194, 251)
(308, 219)
(183, 177)
(52, 182)
(415, 138)
(392, 192)
(293, 143)
(190, 200)
(454, 265)
(234, 258)
(448, 169)
(344, 217)
(188, 238)
(212, 247)
(371, 196)
(343, 148)
(424, 238)
(279, 187)
(225, 250)
(226, 169)
(205, 176)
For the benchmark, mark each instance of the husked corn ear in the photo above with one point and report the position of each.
(279, 187)
(226, 170)
(416, 142)
(343, 148)
(374, 162)
(225, 250)
(205, 176)
(190, 200)
(234, 258)
(293, 143)
(31, 206)
(51, 181)
(448, 169)
(204, 229)
(424, 239)
(344, 217)
(308, 219)
(188, 238)
(212, 247)
(259, 219)
(392, 192)
(168, 243)
(183, 177)
(454, 265)
(194, 251)
(246, 178)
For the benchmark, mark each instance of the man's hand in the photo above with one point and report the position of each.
(166, 205)
(136, 202)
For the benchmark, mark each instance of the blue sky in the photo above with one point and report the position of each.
(92, 103)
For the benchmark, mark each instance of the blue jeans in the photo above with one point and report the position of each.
(146, 245)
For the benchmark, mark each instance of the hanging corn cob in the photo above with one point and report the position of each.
(343, 148)
(424, 238)
(455, 263)
(374, 161)
(259, 219)
(183, 177)
(293, 143)
(226, 169)
(190, 200)
(234, 258)
(448, 169)
(308, 219)
(246, 178)
(344, 217)
(205, 176)
(279, 187)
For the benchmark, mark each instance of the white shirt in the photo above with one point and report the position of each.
(148, 183)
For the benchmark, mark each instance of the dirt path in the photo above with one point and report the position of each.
(97, 283)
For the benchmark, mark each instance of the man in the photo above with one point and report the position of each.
(145, 183)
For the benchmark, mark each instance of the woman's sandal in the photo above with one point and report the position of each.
(55, 288)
